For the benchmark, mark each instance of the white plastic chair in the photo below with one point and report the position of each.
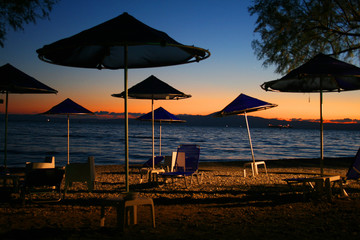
(42, 177)
(48, 163)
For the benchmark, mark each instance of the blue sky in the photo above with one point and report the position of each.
(223, 27)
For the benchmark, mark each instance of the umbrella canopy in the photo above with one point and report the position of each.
(244, 104)
(12, 80)
(154, 89)
(160, 115)
(121, 43)
(68, 107)
(103, 47)
(320, 74)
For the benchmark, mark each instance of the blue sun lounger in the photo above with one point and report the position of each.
(148, 163)
(186, 164)
(146, 168)
(354, 170)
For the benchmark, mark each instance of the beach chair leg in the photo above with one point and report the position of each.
(133, 215)
(343, 192)
(198, 178)
(90, 185)
(164, 179)
(23, 195)
(102, 216)
(328, 190)
(306, 190)
(65, 189)
(121, 216)
(265, 169)
(152, 209)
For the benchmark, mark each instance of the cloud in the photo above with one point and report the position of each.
(345, 121)
(106, 114)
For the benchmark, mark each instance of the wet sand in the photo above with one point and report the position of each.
(226, 205)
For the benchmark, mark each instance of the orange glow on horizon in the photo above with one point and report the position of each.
(290, 106)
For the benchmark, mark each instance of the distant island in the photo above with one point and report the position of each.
(279, 126)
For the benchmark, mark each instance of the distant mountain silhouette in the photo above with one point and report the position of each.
(195, 120)
(258, 122)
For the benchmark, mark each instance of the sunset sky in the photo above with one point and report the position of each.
(225, 28)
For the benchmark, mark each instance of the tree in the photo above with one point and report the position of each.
(293, 31)
(15, 13)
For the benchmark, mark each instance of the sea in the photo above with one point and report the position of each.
(32, 141)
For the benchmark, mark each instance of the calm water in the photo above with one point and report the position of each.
(32, 141)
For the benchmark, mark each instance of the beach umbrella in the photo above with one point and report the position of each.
(12, 80)
(68, 107)
(154, 89)
(320, 74)
(160, 115)
(121, 43)
(244, 104)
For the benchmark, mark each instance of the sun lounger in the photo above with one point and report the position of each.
(322, 183)
(42, 181)
(169, 162)
(148, 163)
(147, 169)
(157, 161)
(318, 186)
(80, 172)
(354, 170)
(48, 163)
(186, 164)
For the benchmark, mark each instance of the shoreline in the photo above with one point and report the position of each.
(288, 162)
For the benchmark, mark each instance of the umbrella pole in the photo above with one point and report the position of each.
(160, 139)
(68, 139)
(6, 129)
(321, 132)
(153, 133)
(126, 119)
(251, 147)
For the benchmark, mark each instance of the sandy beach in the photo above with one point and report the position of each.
(226, 205)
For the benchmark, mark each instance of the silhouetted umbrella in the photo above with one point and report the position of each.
(68, 107)
(121, 43)
(12, 80)
(320, 74)
(244, 104)
(160, 115)
(154, 89)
